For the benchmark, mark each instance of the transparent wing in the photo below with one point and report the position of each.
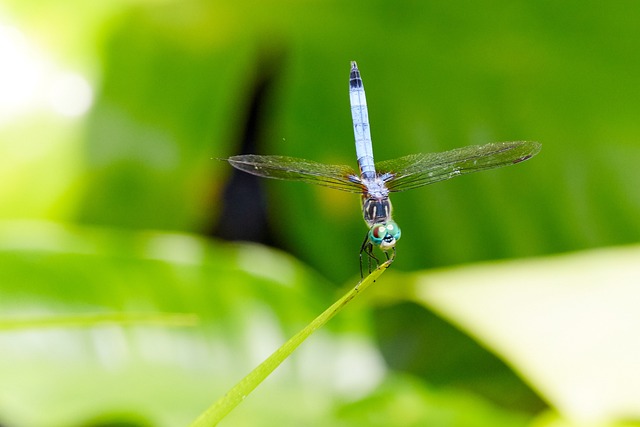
(417, 170)
(292, 169)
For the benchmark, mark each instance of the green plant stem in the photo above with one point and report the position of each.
(216, 412)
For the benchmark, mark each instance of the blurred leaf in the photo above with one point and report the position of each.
(91, 320)
(567, 324)
(418, 341)
(404, 401)
(248, 300)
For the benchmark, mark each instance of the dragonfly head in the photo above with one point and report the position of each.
(385, 235)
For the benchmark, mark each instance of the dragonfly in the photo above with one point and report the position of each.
(376, 181)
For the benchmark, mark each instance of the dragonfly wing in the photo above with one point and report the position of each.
(293, 169)
(417, 170)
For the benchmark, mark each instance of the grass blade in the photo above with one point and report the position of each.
(216, 412)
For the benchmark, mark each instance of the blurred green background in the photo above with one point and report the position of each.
(512, 301)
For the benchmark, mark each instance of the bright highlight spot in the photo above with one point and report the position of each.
(70, 95)
(20, 73)
(30, 83)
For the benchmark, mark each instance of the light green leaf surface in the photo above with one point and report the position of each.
(568, 324)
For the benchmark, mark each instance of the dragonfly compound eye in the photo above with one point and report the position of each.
(377, 233)
(393, 230)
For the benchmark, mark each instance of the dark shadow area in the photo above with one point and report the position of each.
(417, 341)
(117, 420)
(243, 213)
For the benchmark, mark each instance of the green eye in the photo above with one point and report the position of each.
(384, 235)
(377, 233)
(394, 230)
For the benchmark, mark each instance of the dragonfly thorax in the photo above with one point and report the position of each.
(376, 207)
(376, 210)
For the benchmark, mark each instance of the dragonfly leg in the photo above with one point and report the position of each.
(362, 248)
(367, 248)
(372, 257)
(366, 238)
(393, 255)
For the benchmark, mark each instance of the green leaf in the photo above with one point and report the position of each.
(92, 320)
(567, 324)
